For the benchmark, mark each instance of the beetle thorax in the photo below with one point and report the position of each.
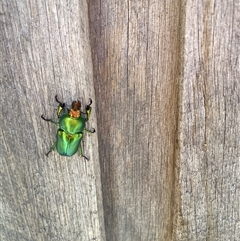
(74, 113)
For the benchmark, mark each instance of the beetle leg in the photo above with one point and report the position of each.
(90, 100)
(60, 107)
(80, 153)
(59, 102)
(91, 131)
(54, 122)
(88, 109)
(51, 149)
(80, 147)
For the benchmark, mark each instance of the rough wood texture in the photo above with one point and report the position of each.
(167, 86)
(210, 122)
(45, 50)
(149, 58)
(136, 51)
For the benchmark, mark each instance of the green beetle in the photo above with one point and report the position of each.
(71, 126)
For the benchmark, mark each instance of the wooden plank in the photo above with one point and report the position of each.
(136, 47)
(168, 173)
(166, 79)
(45, 51)
(210, 122)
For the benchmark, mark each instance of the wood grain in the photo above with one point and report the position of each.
(45, 50)
(136, 51)
(210, 121)
(164, 79)
(167, 79)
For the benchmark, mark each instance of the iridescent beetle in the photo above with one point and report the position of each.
(71, 126)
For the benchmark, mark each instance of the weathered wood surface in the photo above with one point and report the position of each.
(210, 122)
(45, 50)
(136, 57)
(167, 86)
(167, 83)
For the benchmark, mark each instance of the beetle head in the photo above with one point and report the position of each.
(75, 111)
